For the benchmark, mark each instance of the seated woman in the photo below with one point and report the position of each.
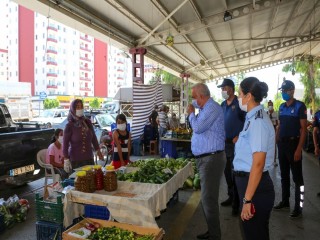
(122, 143)
(55, 155)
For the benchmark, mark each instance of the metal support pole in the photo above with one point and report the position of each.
(138, 64)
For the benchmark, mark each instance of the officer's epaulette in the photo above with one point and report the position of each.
(258, 114)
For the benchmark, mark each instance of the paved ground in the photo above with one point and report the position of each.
(185, 219)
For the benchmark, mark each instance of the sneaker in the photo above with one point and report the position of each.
(281, 205)
(227, 202)
(297, 213)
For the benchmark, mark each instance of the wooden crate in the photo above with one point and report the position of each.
(157, 232)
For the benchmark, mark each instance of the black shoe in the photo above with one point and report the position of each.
(297, 213)
(281, 205)
(227, 202)
(318, 194)
(203, 235)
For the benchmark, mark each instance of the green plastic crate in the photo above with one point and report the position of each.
(49, 211)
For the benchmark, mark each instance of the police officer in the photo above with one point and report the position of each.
(254, 153)
(316, 136)
(291, 134)
(233, 123)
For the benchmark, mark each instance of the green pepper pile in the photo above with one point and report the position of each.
(115, 233)
(156, 171)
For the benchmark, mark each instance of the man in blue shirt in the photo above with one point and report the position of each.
(233, 122)
(291, 134)
(207, 145)
(316, 136)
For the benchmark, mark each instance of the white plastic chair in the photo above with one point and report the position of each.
(48, 168)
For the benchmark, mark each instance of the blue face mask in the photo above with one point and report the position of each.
(285, 96)
(195, 104)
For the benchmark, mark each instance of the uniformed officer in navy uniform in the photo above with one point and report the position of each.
(254, 154)
(316, 136)
(291, 134)
(233, 123)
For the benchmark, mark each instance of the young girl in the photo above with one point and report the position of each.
(55, 155)
(122, 143)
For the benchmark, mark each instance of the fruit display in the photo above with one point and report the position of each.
(182, 133)
(156, 171)
(96, 229)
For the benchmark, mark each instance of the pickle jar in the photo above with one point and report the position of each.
(110, 179)
(81, 184)
(98, 177)
(90, 178)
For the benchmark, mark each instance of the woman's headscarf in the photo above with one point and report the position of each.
(72, 117)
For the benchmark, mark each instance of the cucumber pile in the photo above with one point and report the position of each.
(193, 182)
(156, 171)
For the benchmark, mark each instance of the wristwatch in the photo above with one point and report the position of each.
(245, 201)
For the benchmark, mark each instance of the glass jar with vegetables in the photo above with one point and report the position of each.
(98, 177)
(110, 179)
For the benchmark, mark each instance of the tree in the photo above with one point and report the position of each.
(310, 78)
(277, 102)
(50, 103)
(94, 103)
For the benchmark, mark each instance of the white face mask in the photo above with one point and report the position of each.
(224, 95)
(79, 113)
(122, 126)
(270, 108)
(242, 107)
(60, 139)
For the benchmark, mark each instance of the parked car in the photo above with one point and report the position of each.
(19, 144)
(49, 117)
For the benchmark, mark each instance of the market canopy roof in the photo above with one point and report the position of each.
(212, 39)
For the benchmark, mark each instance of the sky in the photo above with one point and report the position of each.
(268, 75)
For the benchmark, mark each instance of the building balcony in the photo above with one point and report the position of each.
(52, 51)
(85, 39)
(120, 78)
(85, 49)
(85, 89)
(120, 62)
(52, 63)
(85, 59)
(85, 79)
(50, 39)
(52, 86)
(120, 70)
(52, 28)
(85, 69)
(52, 75)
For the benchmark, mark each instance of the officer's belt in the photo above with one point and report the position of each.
(208, 154)
(245, 174)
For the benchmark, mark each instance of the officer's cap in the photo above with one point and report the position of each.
(287, 85)
(226, 82)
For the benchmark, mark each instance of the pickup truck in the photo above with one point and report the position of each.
(19, 144)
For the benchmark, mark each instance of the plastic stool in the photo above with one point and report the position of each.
(153, 147)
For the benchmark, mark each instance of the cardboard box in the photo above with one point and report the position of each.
(157, 232)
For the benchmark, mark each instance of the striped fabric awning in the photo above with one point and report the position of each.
(145, 97)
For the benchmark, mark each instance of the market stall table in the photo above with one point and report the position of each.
(133, 202)
(170, 146)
